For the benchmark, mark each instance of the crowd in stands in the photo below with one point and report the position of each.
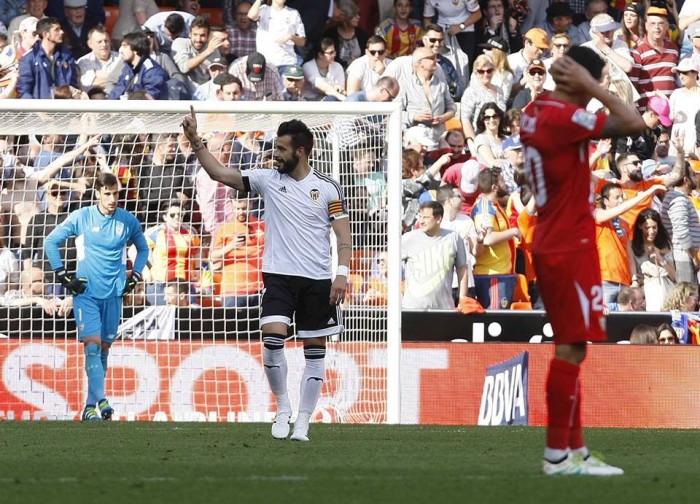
(462, 71)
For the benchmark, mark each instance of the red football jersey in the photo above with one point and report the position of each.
(556, 135)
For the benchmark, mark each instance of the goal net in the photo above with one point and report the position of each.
(189, 345)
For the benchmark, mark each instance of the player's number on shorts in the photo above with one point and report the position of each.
(597, 298)
(535, 173)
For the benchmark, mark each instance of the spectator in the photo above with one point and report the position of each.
(32, 291)
(430, 255)
(644, 145)
(48, 64)
(428, 109)
(535, 78)
(293, 83)
(175, 252)
(237, 251)
(228, 88)
(513, 117)
(459, 18)
(76, 26)
(481, 91)
(132, 15)
(9, 268)
(654, 58)
(241, 29)
(250, 150)
(400, 32)
(465, 177)
(377, 291)
(593, 9)
(214, 198)
(261, 79)
(643, 334)
(350, 40)
(325, 77)
(162, 178)
(95, 10)
(666, 335)
(168, 26)
(680, 218)
(535, 41)
(193, 54)
(279, 30)
(651, 244)
(560, 20)
(225, 47)
(208, 90)
(366, 70)
(694, 35)
(684, 102)
(683, 297)
(494, 276)
(514, 161)
(613, 51)
(177, 294)
(99, 63)
(140, 72)
(454, 143)
(490, 133)
(35, 9)
(561, 43)
(497, 49)
(451, 59)
(25, 37)
(97, 93)
(614, 239)
(629, 299)
(632, 29)
(501, 24)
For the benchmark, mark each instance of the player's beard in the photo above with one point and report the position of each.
(288, 165)
(636, 176)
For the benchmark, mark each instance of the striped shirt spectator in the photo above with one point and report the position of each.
(401, 33)
(269, 88)
(240, 28)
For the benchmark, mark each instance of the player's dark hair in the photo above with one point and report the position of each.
(105, 179)
(100, 28)
(180, 287)
(299, 132)
(661, 241)
(225, 79)
(588, 59)
(375, 39)
(665, 326)
(45, 25)
(444, 192)
(96, 90)
(433, 27)
(436, 207)
(138, 42)
(605, 192)
(175, 24)
(488, 178)
(481, 122)
(200, 22)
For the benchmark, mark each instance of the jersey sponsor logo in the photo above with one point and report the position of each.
(119, 230)
(584, 119)
(96, 229)
(283, 189)
(314, 194)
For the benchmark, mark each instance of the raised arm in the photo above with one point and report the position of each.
(606, 214)
(227, 176)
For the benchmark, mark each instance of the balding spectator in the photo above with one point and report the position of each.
(261, 80)
(428, 109)
(48, 65)
(168, 26)
(97, 65)
(193, 54)
(629, 299)
(654, 58)
(241, 29)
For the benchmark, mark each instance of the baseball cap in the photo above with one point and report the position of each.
(218, 61)
(255, 67)
(421, 135)
(687, 65)
(657, 11)
(469, 182)
(538, 37)
(496, 43)
(512, 143)
(635, 7)
(28, 24)
(649, 167)
(662, 109)
(293, 72)
(538, 63)
(694, 30)
(74, 3)
(559, 9)
(603, 23)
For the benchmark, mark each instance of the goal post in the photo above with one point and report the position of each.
(203, 361)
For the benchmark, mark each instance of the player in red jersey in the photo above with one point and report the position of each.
(556, 129)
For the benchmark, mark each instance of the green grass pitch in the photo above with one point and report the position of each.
(70, 462)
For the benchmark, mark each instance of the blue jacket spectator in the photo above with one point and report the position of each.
(141, 73)
(39, 75)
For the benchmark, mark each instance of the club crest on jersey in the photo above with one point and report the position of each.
(584, 119)
(315, 194)
(119, 229)
(504, 302)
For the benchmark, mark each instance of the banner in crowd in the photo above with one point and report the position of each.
(441, 383)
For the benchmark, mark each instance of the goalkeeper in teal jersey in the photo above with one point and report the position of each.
(103, 232)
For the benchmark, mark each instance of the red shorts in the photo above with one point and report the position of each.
(571, 290)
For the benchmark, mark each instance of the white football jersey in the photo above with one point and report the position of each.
(298, 216)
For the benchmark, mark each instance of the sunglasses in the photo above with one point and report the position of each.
(487, 71)
(487, 117)
(56, 194)
(380, 52)
(172, 215)
(536, 72)
(393, 97)
(436, 40)
(562, 45)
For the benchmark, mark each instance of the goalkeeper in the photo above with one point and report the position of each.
(103, 232)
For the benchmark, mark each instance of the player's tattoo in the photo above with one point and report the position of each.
(343, 246)
(197, 144)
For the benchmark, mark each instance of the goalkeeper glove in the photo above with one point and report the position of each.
(131, 282)
(73, 285)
